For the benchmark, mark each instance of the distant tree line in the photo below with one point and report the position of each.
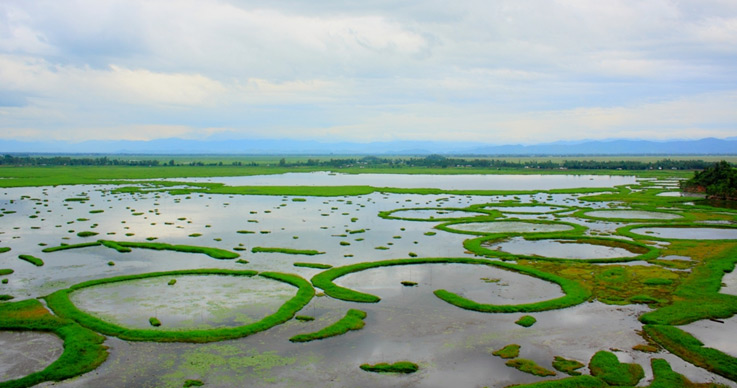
(717, 181)
(430, 161)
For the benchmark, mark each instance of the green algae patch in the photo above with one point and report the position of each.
(404, 367)
(566, 366)
(353, 320)
(607, 367)
(87, 233)
(83, 349)
(529, 366)
(509, 351)
(575, 293)
(288, 251)
(60, 303)
(32, 259)
(526, 321)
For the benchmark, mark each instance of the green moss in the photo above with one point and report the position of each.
(289, 251)
(353, 320)
(526, 321)
(32, 259)
(397, 367)
(529, 366)
(607, 367)
(567, 366)
(60, 303)
(509, 351)
(312, 265)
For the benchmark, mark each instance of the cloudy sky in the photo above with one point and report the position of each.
(503, 71)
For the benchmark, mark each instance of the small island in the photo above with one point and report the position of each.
(717, 182)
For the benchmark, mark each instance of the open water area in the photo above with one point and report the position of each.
(452, 346)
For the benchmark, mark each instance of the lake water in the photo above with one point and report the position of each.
(446, 182)
(453, 346)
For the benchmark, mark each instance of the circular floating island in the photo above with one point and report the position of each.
(588, 249)
(86, 304)
(632, 215)
(670, 232)
(528, 208)
(435, 214)
(511, 227)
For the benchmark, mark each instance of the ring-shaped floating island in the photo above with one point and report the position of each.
(639, 250)
(443, 214)
(628, 215)
(525, 208)
(83, 349)
(62, 306)
(574, 292)
(125, 247)
(512, 227)
(685, 231)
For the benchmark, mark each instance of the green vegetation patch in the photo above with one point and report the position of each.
(529, 366)
(312, 265)
(6, 271)
(4, 249)
(397, 367)
(482, 214)
(87, 233)
(289, 251)
(32, 259)
(60, 303)
(83, 349)
(509, 351)
(192, 383)
(526, 321)
(155, 322)
(574, 231)
(607, 367)
(567, 366)
(125, 246)
(569, 382)
(353, 320)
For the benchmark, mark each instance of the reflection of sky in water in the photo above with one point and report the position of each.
(715, 335)
(634, 214)
(525, 209)
(449, 182)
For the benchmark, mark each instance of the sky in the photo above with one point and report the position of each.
(498, 72)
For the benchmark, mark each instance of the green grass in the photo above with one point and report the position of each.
(32, 259)
(192, 383)
(288, 251)
(6, 297)
(155, 322)
(509, 351)
(605, 366)
(83, 349)
(397, 367)
(87, 233)
(570, 382)
(62, 306)
(304, 318)
(567, 366)
(4, 249)
(353, 320)
(6, 271)
(529, 366)
(526, 321)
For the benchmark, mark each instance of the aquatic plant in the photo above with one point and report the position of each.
(567, 366)
(607, 367)
(312, 265)
(529, 366)
(526, 321)
(32, 259)
(508, 351)
(289, 251)
(397, 367)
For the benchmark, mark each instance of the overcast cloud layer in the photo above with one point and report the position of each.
(492, 71)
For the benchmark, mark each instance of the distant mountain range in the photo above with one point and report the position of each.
(708, 146)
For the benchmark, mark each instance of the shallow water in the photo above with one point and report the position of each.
(25, 352)
(689, 233)
(436, 215)
(714, 334)
(510, 227)
(447, 182)
(565, 249)
(632, 214)
(526, 209)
